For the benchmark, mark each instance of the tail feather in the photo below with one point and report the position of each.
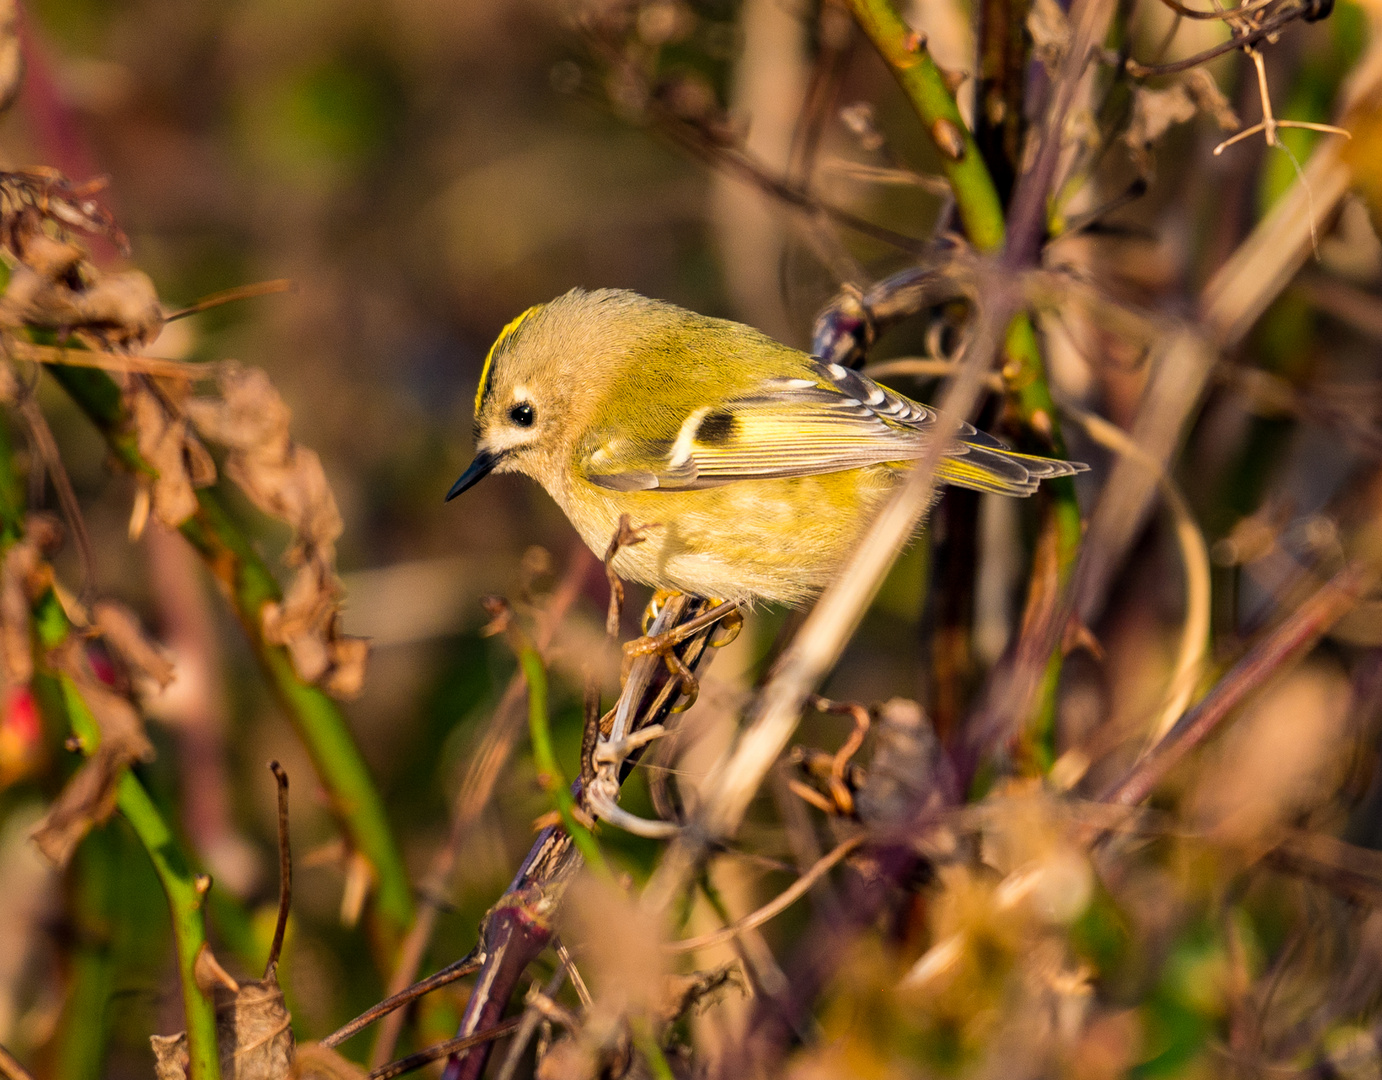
(1000, 471)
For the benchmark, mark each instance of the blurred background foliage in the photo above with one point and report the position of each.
(422, 171)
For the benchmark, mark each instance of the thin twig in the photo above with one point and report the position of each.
(774, 907)
(577, 982)
(10, 1068)
(285, 868)
(1252, 37)
(467, 965)
(108, 361)
(42, 437)
(532, 1016)
(446, 1049)
(518, 927)
(230, 296)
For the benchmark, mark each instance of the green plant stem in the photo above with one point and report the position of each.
(981, 211)
(921, 80)
(93, 909)
(549, 774)
(249, 584)
(184, 893)
(186, 897)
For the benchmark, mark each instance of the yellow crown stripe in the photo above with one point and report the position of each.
(504, 336)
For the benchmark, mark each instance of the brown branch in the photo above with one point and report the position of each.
(467, 965)
(1238, 41)
(486, 765)
(446, 1049)
(1286, 643)
(285, 868)
(519, 927)
(230, 296)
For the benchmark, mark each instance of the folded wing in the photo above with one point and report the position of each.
(829, 420)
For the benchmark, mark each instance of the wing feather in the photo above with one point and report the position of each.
(795, 426)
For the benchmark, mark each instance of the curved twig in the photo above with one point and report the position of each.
(1194, 639)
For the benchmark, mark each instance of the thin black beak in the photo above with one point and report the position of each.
(484, 463)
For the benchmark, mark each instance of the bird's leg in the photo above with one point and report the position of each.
(664, 645)
(625, 535)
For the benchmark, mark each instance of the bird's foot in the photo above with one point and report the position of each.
(725, 612)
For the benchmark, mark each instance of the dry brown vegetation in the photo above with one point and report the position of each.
(1094, 788)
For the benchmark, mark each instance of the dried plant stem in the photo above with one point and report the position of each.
(532, 1016)
(249, 585)
(285, 869)
(10, 1068)
(231, 296)
(774, 907)
(446, 1049)
(1287, 642)
(107, 361)
(467, 965)
(1194, 641)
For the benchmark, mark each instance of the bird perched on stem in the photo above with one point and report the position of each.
(750, 467)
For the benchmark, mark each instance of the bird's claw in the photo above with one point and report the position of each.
(728, 624)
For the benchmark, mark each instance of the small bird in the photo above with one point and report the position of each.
(750, 468)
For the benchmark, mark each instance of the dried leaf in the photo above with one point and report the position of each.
(254, 1037)
(16, 644)
(166, 442)
(698, 990)
(30, 199)
(1154, 112)
(88, 799)
(288, 482)
(122, 631)
(1050, 30)
(57, 288)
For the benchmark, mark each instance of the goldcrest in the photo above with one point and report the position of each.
(753, 468)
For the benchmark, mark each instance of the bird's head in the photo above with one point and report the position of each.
(545, 373)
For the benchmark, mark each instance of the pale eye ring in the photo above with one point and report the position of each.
(522, 414)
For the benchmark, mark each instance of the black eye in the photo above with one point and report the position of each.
(522, 414)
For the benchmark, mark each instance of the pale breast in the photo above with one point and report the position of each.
(779, 540)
